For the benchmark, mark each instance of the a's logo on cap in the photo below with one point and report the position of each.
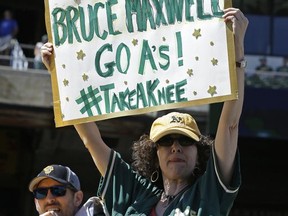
(176, 119)
(47, 170)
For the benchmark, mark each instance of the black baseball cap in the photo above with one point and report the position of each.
(62, 174)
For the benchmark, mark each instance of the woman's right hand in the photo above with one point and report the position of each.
(46, 53)
(88, 132)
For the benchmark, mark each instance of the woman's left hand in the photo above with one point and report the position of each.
(239, 25)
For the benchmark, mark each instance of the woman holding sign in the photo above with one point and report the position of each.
(173, 172)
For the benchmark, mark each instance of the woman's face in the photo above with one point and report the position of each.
(177, 156)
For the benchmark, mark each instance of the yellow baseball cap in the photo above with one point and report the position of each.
(174, 123)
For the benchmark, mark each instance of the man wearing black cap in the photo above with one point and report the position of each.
(57, 192)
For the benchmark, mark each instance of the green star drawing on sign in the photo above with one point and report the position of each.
(80, 55)
(190, 72)
(197, 33)
(85, 77)
(135, 42)
(214, 62)
(65, 82)
(212, 90)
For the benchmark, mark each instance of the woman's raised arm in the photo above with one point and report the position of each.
(88, 132)
(227, 132)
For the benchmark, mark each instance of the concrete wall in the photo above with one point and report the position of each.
(27, 88)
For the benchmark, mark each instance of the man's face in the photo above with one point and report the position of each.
(66, 205)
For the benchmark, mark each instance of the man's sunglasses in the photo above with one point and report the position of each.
(57, 191)
(182, 140)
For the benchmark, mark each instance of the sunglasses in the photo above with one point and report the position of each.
(57, 191)
(182, 140)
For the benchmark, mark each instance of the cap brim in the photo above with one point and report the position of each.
(37, 180)
(182, 131)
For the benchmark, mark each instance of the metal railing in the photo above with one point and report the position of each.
(18, 56)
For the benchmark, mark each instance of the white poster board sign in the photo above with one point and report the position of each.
(116, 58)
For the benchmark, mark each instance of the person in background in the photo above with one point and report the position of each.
(8, 31)
(38, 64)
(8, 25)
(284, 66)
(173, 171)
(263, 65)
(57, 192)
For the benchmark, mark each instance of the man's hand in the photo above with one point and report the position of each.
(49, 213)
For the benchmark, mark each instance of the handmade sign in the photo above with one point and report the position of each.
(116, 58)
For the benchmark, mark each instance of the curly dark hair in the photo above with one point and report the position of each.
(145, 160)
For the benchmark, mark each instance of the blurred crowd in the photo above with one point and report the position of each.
(264, 66)
(11, 52)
